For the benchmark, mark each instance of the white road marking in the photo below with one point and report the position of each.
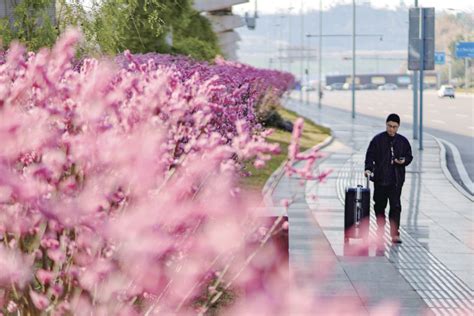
(447, 173)
(459, 165)
(461, 115)
(439, 122)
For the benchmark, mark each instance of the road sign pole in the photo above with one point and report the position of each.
(422, 66)
(415, 98)
(465, 50)
(415, 104)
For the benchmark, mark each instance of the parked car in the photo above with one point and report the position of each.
(388, 86)
(369, 86)
(425, 86)
(446, 91)
(348, 86)
(335, 86)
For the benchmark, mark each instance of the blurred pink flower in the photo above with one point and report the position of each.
(40, 301)
(15, 267)
(44, 276)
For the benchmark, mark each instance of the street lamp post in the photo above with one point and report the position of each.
(380, 36)
(353, 55)
(320, 61)
(281, 41)
(302, 45)
(289, 34)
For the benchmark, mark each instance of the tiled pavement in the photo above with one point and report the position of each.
(431, 270)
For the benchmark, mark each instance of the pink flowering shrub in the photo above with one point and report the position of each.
(118, 188)
(118, 183)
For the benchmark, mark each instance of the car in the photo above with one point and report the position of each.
(446, 91)
(348, 86)
(335, 86)
(369, 86)
(388, 86)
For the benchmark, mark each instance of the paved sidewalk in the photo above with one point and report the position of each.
(431, 270)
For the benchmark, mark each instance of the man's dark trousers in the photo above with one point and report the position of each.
(392, 193)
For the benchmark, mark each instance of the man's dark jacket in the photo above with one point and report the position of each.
(379, 156)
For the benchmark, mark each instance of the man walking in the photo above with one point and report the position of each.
(385, 161)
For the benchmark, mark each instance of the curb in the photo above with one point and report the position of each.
(276, 176)
(447, 174)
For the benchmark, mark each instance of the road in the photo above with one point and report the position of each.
(448, 119)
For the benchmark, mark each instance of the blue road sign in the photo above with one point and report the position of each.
(440, 58)
(465, 50)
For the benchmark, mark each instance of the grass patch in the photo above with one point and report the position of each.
(463, 90)
(313, 134)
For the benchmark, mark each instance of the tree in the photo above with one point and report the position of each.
(113, 26)
(196, 38)
(143, 26)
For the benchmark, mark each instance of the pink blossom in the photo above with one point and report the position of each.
(14, 267)
(56, 255)
(44, 276)
(127, 172)
(12, 307)
(39, 300)
(285, 203)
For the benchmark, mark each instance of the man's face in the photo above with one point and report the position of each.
(392, 128)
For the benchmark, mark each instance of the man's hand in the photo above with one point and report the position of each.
(368, 173)
(400, 162)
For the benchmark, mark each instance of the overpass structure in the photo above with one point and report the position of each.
(219, 13)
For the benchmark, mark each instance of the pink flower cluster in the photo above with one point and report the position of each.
(118, 190)
(118, 186)
(233, 90)
(310, 157)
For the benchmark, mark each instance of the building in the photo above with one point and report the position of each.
(6, 9)
(401, 80)
(219, 13)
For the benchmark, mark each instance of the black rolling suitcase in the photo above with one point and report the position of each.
(356, 212)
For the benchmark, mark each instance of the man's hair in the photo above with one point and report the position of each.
(393, 118)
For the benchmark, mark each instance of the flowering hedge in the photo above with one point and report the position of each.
(118, 181)
(118, 190)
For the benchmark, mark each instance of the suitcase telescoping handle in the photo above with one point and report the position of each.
(368, 180)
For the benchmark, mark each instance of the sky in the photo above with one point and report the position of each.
(279, 6)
